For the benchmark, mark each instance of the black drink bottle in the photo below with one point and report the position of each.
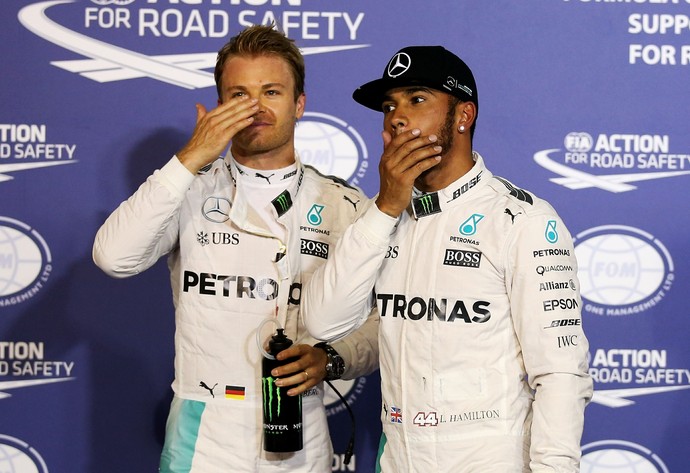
(282, 413)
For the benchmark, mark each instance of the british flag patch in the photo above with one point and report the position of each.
(396, 415)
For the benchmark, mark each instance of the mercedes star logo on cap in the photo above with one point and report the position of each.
(400, 63)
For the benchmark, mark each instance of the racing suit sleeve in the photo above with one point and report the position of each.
(145, 226)
(541, 279)
(360, 349)
(339, 296)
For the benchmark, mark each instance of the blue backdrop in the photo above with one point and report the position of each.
(583, 102)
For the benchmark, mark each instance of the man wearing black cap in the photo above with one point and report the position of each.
(483, 357)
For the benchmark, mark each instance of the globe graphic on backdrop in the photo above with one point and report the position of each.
(616, 461)
(328, 144)
(17, 457)
(20, 261)
(618, 269)
(620, 457)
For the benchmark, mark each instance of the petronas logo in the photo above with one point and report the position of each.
(282, 203)
(469, 226)
(551, 234)
(314, 215)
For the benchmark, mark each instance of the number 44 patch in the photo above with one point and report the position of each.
(426, 419)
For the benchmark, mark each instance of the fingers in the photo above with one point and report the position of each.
(387, 137)
(214, 129)
(200, 112)
(306, 370)
(229, 117)
(410, 151)
(405, 157)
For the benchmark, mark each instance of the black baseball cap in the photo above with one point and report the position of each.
(428, 66)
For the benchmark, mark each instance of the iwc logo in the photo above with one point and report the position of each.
(17, 456)
(331, 146)
(622, 270)
(25, 262)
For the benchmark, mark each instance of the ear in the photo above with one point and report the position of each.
(465, 114)
(301, 102)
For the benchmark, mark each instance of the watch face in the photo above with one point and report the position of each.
(335, 366)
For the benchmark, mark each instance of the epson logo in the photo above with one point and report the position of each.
(563, 304)
(417, 308)
(464, 258)
(564, 323)
(314, 248)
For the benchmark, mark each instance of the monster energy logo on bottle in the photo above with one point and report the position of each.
(282, 203)
(270, 391)
(272, 394)
(426, 204)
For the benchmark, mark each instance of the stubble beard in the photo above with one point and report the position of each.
(252, 142)
(445, 136)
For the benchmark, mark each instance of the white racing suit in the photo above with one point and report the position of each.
(226, 282)
(483, 357)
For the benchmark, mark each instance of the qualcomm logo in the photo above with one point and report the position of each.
(350, 390)
(25, 262)
(617, 456)
(17, 456)
(622, 270)
(332, 146)
(596, 162)
(108, 62)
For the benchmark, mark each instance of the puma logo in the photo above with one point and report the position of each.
(354, 204)
(512, 217)
(268, 178)
(205, 386)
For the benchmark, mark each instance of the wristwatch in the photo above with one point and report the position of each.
(335, 366)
